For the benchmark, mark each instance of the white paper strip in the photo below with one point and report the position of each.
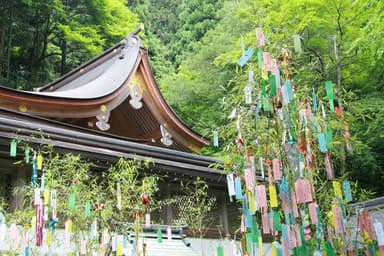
(379, 233)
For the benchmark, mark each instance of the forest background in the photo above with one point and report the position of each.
(194, 46)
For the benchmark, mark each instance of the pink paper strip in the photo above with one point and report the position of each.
(37, 196)
(285, 247)
(260, 37)
(249, 179)
(292, 238)
(285, 203)
(267, 61)
(265, 222)
(114, 243)
(366, 224)
(242, 226)
(312, 213)
(147, 220)
(276, 169)
(83, 247)
(303, 191)
(337, 216)
(381, 249)
(13, 231)
(169, 233)
(328, 166)
(39, 224)
(294, 205)
(261, 196)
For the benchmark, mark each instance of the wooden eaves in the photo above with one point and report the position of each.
(100, 146)
(107, 85)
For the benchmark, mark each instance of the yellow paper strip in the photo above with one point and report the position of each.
(251, 201)
(39, 162)
(337, 189)
(273, 196)
(46, 196)
(260, 243)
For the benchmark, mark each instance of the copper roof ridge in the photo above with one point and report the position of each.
(171, 113)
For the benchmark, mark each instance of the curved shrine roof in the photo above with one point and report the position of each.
(115, 92)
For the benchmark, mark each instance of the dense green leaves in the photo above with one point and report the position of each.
(41, 40)
(210, 80)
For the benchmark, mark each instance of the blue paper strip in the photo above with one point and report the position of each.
(243, 59)
(238, 192)
(34, 173)
(322, 143)
(347, 191)
(215, 138)
(314, 101)
(284, 232)
(248, 220)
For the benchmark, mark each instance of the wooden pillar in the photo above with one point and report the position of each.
(17, 181)
(166, 210)
(169, 212)
(223, 211)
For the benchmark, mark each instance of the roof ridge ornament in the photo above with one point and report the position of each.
(133, 39)
(166, 137)
(136, 97)
(103, 118)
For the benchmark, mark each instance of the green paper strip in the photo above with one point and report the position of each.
(331, 106)
(249, 241)
(372, 250)
(159, 236)
(277, 221)
(297, 43)
(27, 155)
(255, 226)
(260, 58)
(87, 209)
(329, 249)
(220, 251)
(329, 90)
(13, 148)
(266, 105)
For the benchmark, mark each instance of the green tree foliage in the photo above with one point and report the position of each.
(194, 47)
(355, 68)
(196, 91)
(113, 198)
(41, 40)
(173, 27)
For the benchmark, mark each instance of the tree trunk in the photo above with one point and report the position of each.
(2, 34)
(63, 63)
(9, 44)
(339, 101)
